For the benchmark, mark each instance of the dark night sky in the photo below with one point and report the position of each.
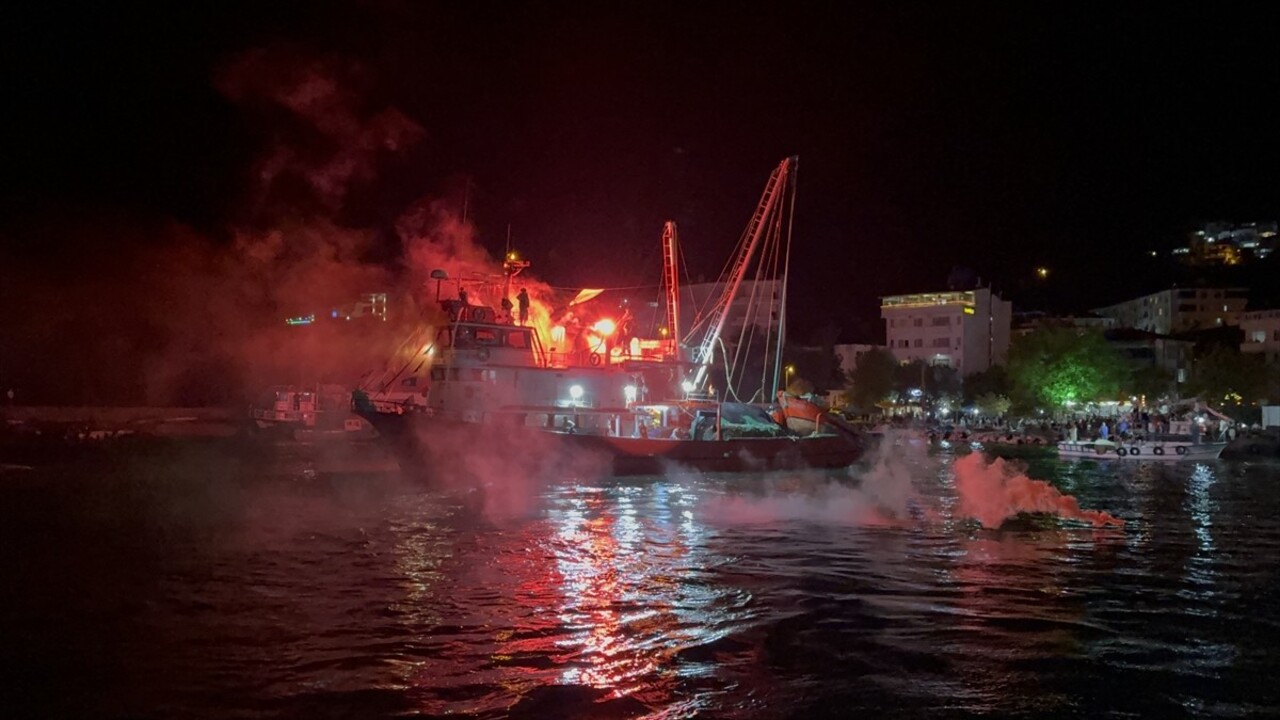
(994, 137)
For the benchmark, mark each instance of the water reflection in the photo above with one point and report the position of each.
(630, 602)
(636, 598)
(1201, 508)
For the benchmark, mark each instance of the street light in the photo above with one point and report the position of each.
(790, 371)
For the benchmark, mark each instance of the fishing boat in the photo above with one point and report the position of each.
(1145, 449)
(579, 382)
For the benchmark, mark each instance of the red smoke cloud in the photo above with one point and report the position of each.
(992, 493)
(327, 134)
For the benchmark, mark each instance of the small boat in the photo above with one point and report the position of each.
(308, 414)
(1145, 449)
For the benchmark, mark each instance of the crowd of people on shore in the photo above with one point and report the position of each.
(1133, 426)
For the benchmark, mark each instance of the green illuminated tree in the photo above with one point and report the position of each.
(1051, 367)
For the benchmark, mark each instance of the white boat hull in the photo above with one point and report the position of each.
(1142, 450)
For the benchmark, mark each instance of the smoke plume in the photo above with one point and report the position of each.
(994, 492)
(325, 135)
(878, 493)
(154, 311)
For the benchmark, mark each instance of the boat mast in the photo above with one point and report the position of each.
(755, 230)
(671, 278)
(786, 267)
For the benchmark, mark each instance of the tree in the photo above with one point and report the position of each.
(1153, 382)
(799, 386)
(872, 380)
(994, 380)
(933, 381)
(992, 405)
(1222, 373)
(1052, 366)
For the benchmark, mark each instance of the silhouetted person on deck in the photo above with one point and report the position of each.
(523, 301)
(507, 308)
(462, 295)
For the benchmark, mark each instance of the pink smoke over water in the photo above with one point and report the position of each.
(994, 492)
(884, 495)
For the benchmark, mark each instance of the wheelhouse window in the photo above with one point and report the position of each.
(518, 339)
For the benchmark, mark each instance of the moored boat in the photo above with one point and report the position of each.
(1146, 449)
(308, 414)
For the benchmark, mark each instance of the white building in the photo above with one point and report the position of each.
(1261, 333)
(967, 330)
(1179, 310)
(757, 303)
(848, 355)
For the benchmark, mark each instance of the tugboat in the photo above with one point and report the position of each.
(620, 404)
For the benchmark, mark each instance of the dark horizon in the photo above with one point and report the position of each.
(929, 139)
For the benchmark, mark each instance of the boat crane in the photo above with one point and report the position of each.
(671, 281)
(765, 221)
